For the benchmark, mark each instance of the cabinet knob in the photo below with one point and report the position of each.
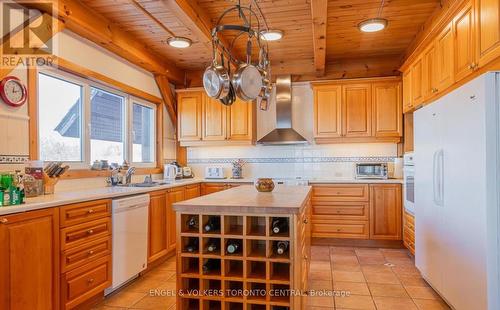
(306, 221)
(4, 220)
(90, 281)
(434, 90)
(90, 211)
(90, 231)
(305, 257)
(339, 229)
(91, 252)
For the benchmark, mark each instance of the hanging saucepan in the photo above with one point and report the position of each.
(247, 80)
(231, 97)
(216, 79)
(263, 101)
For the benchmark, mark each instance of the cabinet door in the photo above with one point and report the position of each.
(357, 107)
(209, 188)
(327, 111)
(157, 226)
(463, 32)
(416, 82)
(407, 97)
(189, 108)
(385, 211)
(192, 191)
(29, 256)
(174, 195)
(214, 119)
(487, 30)
(444, 56)
(387, 110)
(240, 121)
(429, 87)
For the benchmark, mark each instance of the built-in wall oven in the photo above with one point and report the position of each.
(409, 183)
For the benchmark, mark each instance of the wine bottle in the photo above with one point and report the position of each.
(212, 245)
(281, 247)
(211, 265)
(233, 246)
(280, 225)
(192, 246)
(213, 224)
(192, 223)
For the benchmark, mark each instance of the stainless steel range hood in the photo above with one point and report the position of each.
(284, 132)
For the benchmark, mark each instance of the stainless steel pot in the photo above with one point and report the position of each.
(216, 80)
(247, 80)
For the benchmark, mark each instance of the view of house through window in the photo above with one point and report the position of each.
(59, 119)
(68, 105)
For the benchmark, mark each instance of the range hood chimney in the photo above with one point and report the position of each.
(284, 133)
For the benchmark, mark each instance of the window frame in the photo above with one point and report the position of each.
(129, 100)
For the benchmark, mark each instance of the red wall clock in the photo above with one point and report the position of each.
(12, 91)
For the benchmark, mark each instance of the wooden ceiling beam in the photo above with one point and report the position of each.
(83, 21)
(319, 10)
(168, 97)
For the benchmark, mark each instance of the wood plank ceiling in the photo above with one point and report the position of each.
(349, 52)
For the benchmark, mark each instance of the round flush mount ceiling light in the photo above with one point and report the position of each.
(373, 25)
(271, 35)
(179, 42)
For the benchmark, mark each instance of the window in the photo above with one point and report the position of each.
(81, 121)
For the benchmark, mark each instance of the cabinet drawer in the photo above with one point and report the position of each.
(343, 192)
(341, 229)
(84, 212)
(79, 234)
(345, 210)
(85, 253)
(79, 285)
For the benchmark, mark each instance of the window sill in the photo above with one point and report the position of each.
(86, 173)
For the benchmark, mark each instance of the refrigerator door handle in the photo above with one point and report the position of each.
(435, 178)
(439, 176)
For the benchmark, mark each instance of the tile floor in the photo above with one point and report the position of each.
(367, 278)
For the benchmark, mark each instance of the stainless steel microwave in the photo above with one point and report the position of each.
(371, 171)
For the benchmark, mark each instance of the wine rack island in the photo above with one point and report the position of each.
(242, 249)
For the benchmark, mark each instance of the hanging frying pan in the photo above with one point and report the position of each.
(247, 80)
(216, 79)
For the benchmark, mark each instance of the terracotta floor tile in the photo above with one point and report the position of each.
(400, 261)
(319, 308)
(367, 252)
(154, 302)
(348, 276)
(422, 292)
(394, 303)
(370, 260)
(412, 280)
(374, 268)
(124, 299)
(104, 307)
(429, 304)
(381, 277)
(387, 290)
(324, 266)
(355, 302)
(406, 270)
(342, 249)
(354, 288)
(162, 275)
(170, 264)
(320, 275)
(320, 301)
(144, 285)
(344, 259)
(319, 285)
(346, 267)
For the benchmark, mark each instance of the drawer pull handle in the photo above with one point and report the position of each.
(91, 252)
(90, 231)
(339, 229)
(90, 281)
(4, 220)
(90, 211)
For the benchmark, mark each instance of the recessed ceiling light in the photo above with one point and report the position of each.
(373, 25)
(179, 42)
(271, 35)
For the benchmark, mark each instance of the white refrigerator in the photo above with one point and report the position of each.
(457, 158)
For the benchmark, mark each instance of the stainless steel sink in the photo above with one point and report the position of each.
(148, 184)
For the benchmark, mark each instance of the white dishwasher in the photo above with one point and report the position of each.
(130, 238)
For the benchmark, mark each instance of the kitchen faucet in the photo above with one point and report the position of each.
(128, 175)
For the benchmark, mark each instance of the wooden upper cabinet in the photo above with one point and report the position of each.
(189, 111)
(445, 58)
(463, 32)
(29, 256)
(487, 30)
(158, 246)
(240, 121)
(385, 211)
(416, 83)
(387, 109)
(357, 108)
(327, 111)
(214, 119)
(429, 86)
(407, 96)
(174, 195)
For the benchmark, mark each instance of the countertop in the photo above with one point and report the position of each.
(246, 199)
(69, 197)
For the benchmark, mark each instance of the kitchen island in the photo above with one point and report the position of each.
(241, 249)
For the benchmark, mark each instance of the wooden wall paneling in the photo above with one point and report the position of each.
(357, 110)
(319, 12)
(464, 42)
(487, 30)
(387, 109)
(327, 111)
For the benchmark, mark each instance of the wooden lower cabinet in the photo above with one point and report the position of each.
(409, 232)
(192, 191)
(174, 195)
(29, 269)
(214, 187)
(357, 211)
(157, 232)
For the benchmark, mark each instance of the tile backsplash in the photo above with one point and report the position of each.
(311, 161)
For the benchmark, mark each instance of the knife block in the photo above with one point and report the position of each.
(49, 184)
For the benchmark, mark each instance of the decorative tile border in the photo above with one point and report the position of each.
(13, 159)
(293, 160)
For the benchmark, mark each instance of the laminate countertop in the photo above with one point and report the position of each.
(284, 199)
